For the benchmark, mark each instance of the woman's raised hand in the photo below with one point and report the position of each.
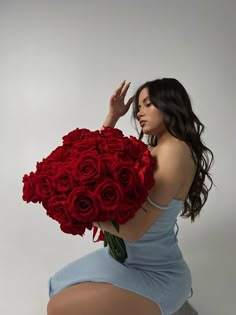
(117, 106)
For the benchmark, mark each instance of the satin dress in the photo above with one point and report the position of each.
(155, 267)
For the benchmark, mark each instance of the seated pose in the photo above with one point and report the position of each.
(154, 279)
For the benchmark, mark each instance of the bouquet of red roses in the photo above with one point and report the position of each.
(93, 176)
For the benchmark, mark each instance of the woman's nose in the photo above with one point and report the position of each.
(139, 114)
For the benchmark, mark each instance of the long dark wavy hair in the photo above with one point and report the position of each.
(171, 98)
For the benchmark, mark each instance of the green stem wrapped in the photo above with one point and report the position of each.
(116, 245)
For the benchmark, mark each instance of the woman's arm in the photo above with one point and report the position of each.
(117, 109)
(117, 106)
(129, 231)
(168, 179)
(110, 121)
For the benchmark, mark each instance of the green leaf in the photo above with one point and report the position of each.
(117, 248)
(116, 225)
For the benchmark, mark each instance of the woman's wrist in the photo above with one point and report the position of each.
(110, 121)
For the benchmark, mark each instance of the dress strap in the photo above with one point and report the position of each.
(154, 204)
(162, 207)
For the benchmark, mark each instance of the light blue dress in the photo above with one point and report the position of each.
(154, 268)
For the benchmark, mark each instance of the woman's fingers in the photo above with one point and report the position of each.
(130, 101)
(125, 90)
(117, 99)
(118, 91)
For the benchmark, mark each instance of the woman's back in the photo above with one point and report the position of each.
(189, 169)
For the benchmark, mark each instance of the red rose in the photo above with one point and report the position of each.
(61, 153)
(57, 208)
(112, 145)
(80, 148)
(89, 225)
(87, 168)
(48, 167)
(29, 188)
(146, 170)
(130, 149)
(139, 147)
(63, 181)
(125, 174)
(106, 162)
(94, 176)
(44, 187)
(90, 142)
(75, 135)
(125, 212)
(81, 204)
(93, 135)
(111, 132)
(57, 153)
(138, 194)
(45, 204)
(74, 228)
(146, 177)
(109, 195)
(40, 166)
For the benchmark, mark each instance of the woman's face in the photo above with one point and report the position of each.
(150, 118)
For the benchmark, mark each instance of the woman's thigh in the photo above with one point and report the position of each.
(96, 298)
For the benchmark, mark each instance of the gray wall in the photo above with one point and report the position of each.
(60, 63)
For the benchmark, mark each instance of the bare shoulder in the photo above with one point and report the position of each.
(169, 154)
(174, 172)
(174, 151)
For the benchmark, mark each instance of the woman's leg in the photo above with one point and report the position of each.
(90, 298)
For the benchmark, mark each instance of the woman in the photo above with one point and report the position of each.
(154, 279)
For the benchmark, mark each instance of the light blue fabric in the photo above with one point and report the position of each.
(154, 268)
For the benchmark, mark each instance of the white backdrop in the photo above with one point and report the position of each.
(60, 62)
